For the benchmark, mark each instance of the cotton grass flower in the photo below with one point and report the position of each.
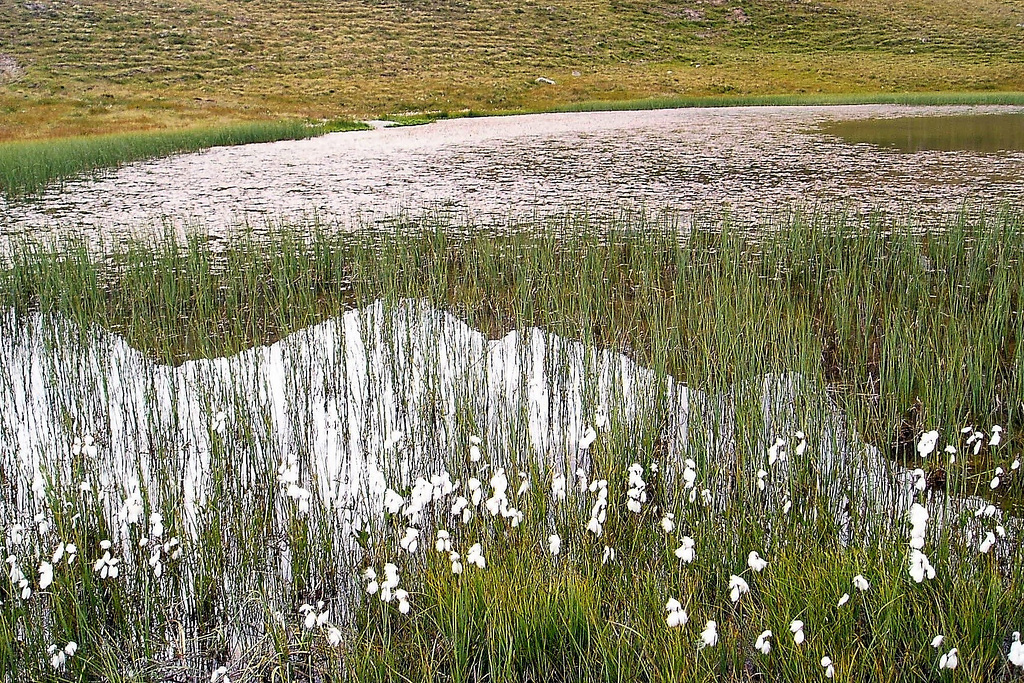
(45, 575)
(476, 493)
(668, 523)
(393, 501)
(860, 583)
(920, 567)
(370, 576)
(475, 556)
(599, 511)
(456, 561)
(1016, 655)
(443, 541)
(927, 443)
(987, 543)
(996, 435)
(685, 551)
(737, 587)
(389, 583)
(709, 636)
(106, 566)
(334, 637)
(587, 440)
(461, 509)
(755, 562)
(843, 600)
(977, 438)
(676, 614)
(801, 447)
(689, 473)
(763, 643)
(796, 627)
(314, 616)
(608, 555)
(402, 597)
(42, 524)
(637, 492)
(524, 484)
(554, 544)
(830, 670)
(300, 495)
(220, 674)
(918, 525)
(410, 541)
(58, 657)
(937, 641)
(949, 660)
(558, 488)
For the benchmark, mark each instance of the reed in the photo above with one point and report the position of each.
(389, 355)
(27, 167)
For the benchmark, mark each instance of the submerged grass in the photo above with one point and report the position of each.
(27, 167)
(908, 327)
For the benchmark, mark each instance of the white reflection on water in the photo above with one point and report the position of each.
(495, 169)
(332, 396)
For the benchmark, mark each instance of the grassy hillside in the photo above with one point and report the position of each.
(100, 65)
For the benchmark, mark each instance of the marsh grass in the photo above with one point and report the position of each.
(913, 326)
(804, 99)
(905, 327)
(28, 167)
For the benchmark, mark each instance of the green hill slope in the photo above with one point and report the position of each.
(101, 65)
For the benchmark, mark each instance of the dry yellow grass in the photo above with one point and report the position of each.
(101, 66)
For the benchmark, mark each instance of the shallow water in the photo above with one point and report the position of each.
(744, 160)
(335, 395)
(981, 133)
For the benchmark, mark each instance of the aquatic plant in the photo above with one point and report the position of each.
(386, 492)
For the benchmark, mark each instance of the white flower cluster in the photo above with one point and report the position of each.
(637, 493)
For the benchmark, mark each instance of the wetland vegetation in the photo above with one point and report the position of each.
(444, 453)
(713, 441)
(26, 167)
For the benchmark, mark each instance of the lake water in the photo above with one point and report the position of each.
(981, 133)
(745, 160)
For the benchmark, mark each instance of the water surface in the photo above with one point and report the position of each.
(742, 159)
(981, 133)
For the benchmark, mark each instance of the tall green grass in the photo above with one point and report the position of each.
(810, 99)
(905, 326)
(913, 324)
(26, 167)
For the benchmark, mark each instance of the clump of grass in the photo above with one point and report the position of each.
(28, 167)
(803, 99)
